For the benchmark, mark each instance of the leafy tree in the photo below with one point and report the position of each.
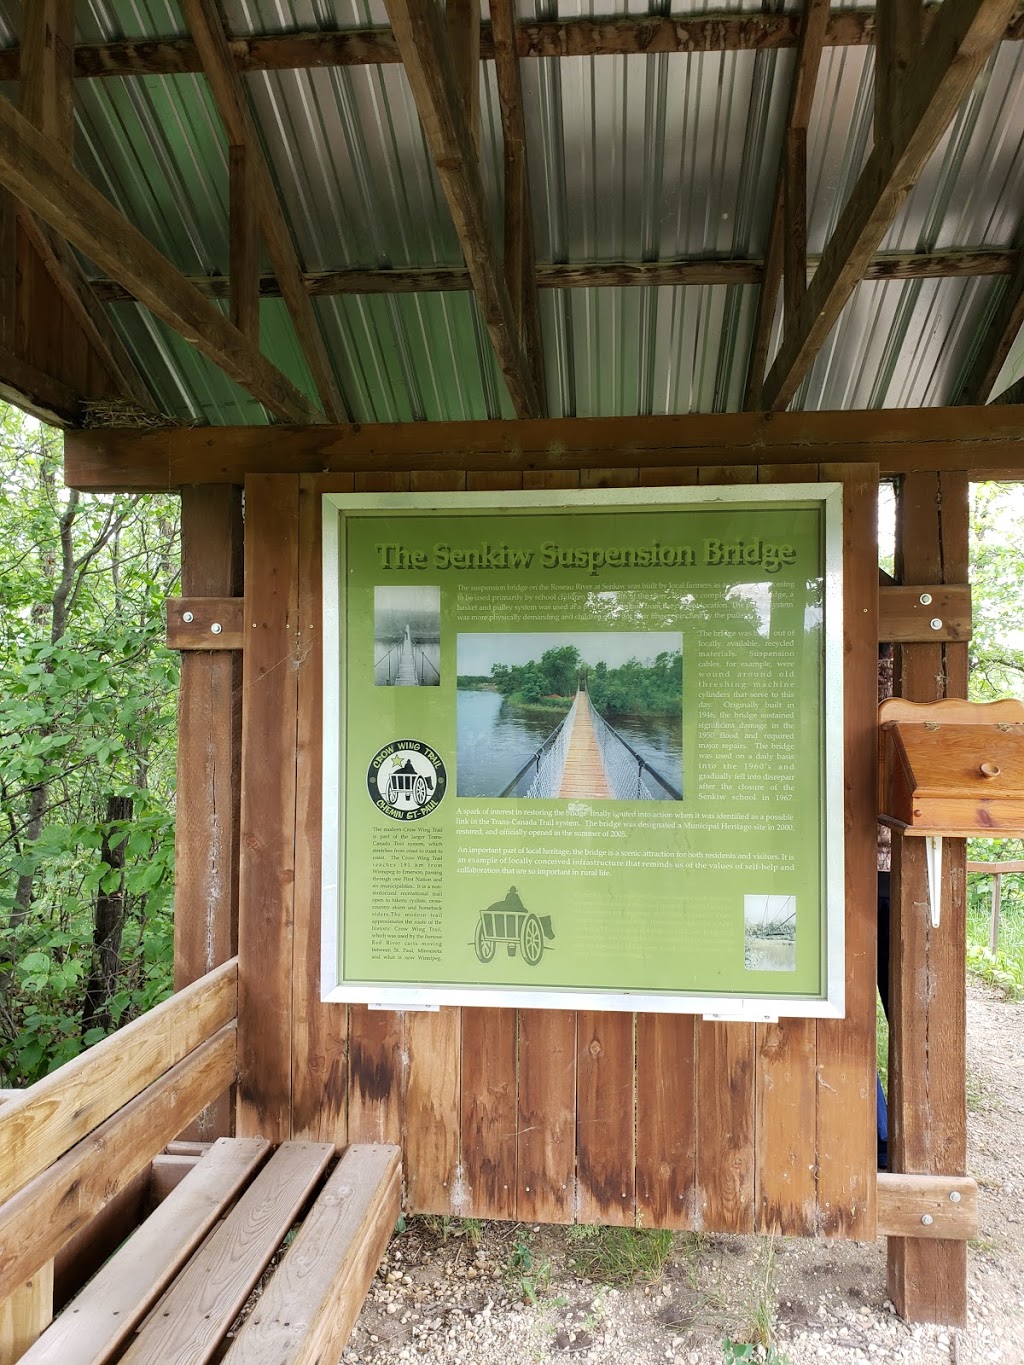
(87, 745)
(997, 581)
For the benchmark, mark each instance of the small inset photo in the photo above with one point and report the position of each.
(407, 636)
(769, 933)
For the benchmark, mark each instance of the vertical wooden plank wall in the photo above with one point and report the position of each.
(536, 1114)
(319, 1063)
(209, 763)
(927, 1063)
(846, 1047)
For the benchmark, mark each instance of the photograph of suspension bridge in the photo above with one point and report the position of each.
(769, 939)
(571, 716)
(407, 637)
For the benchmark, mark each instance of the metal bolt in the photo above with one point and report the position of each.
(954, 1196)
(925, 599)
(927, 1219)
(935, 623)
(216, 628)
(187, 617)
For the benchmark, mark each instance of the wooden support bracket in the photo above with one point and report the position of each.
(927, 1206)
(204, 623)
(906, 615)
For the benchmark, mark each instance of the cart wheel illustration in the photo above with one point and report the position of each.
(531, 939)
(419, 792)
(392, 792)
(484, 945)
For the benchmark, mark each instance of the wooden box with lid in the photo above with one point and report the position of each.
(952, 768)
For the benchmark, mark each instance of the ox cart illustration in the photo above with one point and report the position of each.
(509, 922)
(408, 783)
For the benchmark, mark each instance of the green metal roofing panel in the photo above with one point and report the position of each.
(631, 159)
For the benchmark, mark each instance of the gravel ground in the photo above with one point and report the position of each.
(461, 1292)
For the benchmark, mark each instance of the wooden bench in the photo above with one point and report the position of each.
(171, 1294)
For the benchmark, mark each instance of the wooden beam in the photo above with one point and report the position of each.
(697, 270)
(232, 103)
(48, 103)
(462, 23)
(927, 1277)
(897, 42)
(47, 62)
(906, 614)
(520, 258)
(38, 393)
(801, 98)
(213, 623)
(244, 275)
(36, 174)
(985, 442)
(996, 341)
(718, 31)
(960, 41)
(419, 31)
(927, 1206)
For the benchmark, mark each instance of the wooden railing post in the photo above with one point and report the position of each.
(209, 749)
(927, 1061)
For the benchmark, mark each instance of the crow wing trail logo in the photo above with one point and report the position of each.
(406, 779)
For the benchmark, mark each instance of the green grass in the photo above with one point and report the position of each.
(618, 1255)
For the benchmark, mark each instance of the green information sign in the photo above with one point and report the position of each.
(585, 753)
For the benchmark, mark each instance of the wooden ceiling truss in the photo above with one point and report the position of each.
(927, 59)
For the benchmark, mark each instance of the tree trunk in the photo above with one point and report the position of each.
(109, 921)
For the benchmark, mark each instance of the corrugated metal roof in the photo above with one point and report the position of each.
(632, 158)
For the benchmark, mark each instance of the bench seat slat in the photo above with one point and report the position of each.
(117, 1298)
(188, 1325)
(306, 1312)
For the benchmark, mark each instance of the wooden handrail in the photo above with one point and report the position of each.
(997, 868)
(43, 1122)
(37, 1221)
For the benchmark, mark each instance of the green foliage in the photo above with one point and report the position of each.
(1005, 967)
(634, 688)
(997, 581)
(87, 752)
(616, 1255)
(529, 1274)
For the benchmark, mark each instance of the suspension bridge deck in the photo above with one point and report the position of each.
(584, 774)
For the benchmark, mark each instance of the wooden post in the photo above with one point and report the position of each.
(927, 1061)
(209, 745)
(26, 1314)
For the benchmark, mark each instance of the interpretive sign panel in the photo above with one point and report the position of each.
(585, 752)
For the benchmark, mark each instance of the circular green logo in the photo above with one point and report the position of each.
(406, 780)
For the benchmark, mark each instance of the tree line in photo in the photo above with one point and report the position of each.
(633, 688)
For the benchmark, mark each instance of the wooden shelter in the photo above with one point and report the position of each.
(682, 248)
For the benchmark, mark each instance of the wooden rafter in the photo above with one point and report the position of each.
(230, 98)
(47, 100)
(244, 277)
(419, 31)
(520, 258)
(36, 173)
(801, 98)
(720, 31)
(887, 265)
(897, 42)
(996, 341)
(960, 40)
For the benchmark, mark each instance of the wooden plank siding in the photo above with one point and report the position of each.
(540, 1115)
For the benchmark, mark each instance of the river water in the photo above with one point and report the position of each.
(495, 741)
